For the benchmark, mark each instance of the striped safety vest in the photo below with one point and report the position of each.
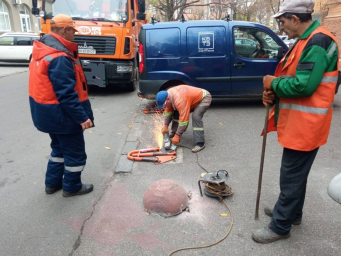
(304, 123)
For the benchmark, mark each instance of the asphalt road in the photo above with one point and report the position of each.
(33, 223)
(112, 221)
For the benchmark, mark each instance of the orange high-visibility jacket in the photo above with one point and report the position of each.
(304, 122)
(184, 99)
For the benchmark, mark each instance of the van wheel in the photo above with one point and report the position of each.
(131, 86)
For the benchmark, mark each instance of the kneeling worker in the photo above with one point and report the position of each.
(179, 101)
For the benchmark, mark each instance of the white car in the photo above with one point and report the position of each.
(287, 41)
(284, 37)
(16, 47)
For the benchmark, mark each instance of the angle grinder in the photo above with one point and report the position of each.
(167, 144)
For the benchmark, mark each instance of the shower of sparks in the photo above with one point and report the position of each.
(157, 120)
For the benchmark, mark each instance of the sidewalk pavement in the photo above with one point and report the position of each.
(7, 69)
(120, 226)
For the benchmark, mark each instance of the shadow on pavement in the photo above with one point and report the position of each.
(237, 103)
(108, 91)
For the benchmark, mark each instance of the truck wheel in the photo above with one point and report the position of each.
(133, 84)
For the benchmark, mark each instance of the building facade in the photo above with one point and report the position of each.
(16, 16)
(333, 20)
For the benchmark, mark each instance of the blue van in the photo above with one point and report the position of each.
(227, 58)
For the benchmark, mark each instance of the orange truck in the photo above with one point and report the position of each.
(107, 36)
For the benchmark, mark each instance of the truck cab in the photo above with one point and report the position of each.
(227, 58)
(107, 36)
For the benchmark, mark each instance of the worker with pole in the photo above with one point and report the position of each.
(303, 90)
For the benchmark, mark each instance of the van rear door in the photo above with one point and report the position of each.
(254, 55)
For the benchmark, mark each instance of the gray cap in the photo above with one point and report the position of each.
(295, 6)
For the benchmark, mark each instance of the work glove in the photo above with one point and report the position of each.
(269, 97)
(176, 140)
(267, 80)
(165, 130)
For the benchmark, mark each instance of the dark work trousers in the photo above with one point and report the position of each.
(67, 159)
(295, 169)
(197, 115)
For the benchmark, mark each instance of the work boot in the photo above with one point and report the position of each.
(51, 190)
(198, 147)
(266, 236)
(86, 188)
(269, 211)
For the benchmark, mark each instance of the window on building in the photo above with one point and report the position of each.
(189, 10)
(25, 18)
(5, 24)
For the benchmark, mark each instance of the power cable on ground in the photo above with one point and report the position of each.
(220, 191)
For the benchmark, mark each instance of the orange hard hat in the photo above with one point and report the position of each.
(63, 21)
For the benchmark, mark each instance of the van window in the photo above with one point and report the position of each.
(206, 41)
(24, 40)
(7, 40)
(163, 43)
(254, 43)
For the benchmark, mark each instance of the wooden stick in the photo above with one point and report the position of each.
(262, 160)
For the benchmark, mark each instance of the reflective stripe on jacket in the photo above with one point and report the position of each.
(304, 122)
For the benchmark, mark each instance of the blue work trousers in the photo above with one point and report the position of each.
(295, 169)
(67, 159)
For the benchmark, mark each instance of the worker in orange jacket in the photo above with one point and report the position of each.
(179, 102)
(303, 90)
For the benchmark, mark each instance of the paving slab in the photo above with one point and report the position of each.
(129, 146)
(134, 133)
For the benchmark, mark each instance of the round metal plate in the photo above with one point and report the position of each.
(220, 176)
(166, 198)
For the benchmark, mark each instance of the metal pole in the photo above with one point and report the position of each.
(262, 159)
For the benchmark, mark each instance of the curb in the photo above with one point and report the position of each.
(13, 73)
(124, 164)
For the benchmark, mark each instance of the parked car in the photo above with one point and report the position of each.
(290, 42)
(287, 41)
(245, 41)
(208, 54)
(283, 37)
(16, 47)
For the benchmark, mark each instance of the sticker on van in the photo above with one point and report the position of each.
(206, 42)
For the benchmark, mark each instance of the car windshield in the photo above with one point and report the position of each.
(102, 10)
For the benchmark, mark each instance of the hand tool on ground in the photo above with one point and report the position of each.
(151, 155)
(262, 160)
(156, 155)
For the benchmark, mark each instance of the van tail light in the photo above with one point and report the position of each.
(141, 58)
